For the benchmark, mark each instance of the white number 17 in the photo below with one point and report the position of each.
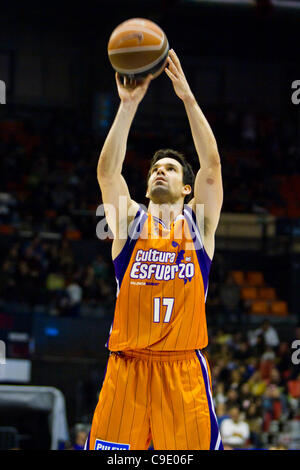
(167, 302)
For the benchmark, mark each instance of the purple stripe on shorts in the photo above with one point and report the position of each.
(215, 438)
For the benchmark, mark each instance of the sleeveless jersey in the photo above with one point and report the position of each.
(162, 282)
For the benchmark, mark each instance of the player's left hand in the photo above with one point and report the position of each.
(174, 71)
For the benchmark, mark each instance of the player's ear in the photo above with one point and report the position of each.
(147, 192)
(187, 189)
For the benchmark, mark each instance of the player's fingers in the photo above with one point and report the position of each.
(172, 68)
(174, 56)
(175, 59)
(170, 74)
(117, 77)
(121, 81)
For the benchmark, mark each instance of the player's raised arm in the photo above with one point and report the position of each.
(208, 189)
(109, 169)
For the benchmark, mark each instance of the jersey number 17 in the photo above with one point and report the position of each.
(166, 302)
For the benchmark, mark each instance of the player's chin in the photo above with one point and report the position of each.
(160, 194)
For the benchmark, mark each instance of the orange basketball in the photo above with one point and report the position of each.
(138, 47)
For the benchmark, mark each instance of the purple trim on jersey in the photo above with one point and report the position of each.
(215, 436)
(123, 258)
(157, 219)
(203, 258)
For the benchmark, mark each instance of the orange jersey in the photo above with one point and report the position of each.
(162, 278)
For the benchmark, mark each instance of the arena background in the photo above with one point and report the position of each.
(57, 286)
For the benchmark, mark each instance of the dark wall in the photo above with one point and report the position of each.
(229, 53)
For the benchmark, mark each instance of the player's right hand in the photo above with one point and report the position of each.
(131, 91)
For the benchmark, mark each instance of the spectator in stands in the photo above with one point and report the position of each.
(257, 384)
(79, 436)
(283, 360)
(232, 398)
(274, 405)
(294, 387)
(245, 397)
(270, 335)
(221, 412)
(74, 293)
(235, 430)
(242, 350)
(275, 378)
(254, 419)
(267, 334)
(219, 394)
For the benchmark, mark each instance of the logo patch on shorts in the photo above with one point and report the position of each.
(104, 445)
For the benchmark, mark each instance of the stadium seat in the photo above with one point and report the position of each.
(238, 276)
(255, 278)
(279, 307)
(249, 293)
(259, 307)
(73, 234)
(266, 293)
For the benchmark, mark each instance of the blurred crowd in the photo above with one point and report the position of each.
(48, 170)
(48, 185)
(256, 387)
(37, 275)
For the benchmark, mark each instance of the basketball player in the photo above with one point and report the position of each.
(157, 385)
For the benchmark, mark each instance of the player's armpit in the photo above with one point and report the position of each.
(119, 208)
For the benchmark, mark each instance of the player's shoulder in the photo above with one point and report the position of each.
(136, 210)
(129, 225)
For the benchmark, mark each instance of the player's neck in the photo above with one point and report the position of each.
(166, 212)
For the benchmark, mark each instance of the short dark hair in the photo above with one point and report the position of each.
(188, 174)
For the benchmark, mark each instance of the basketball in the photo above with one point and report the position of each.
(138, 47)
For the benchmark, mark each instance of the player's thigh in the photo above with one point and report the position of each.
(121, 418)
(180, 417)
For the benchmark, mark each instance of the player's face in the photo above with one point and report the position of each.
(165, 182)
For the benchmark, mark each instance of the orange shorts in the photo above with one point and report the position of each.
(159, 397)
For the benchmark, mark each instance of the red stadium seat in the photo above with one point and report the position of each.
(249, 293)
(238, 276)
(255, 278)
(279, 307)
(259, 307)
(266, 293)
